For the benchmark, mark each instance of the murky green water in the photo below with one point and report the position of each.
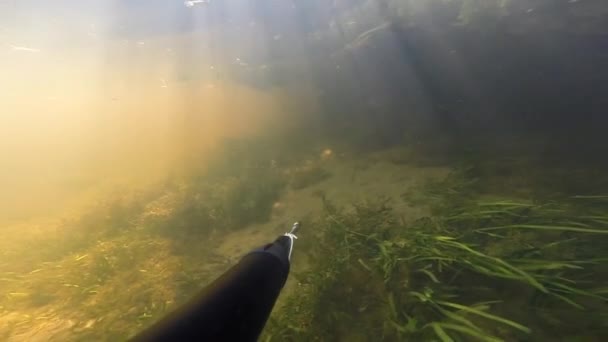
(446, 158)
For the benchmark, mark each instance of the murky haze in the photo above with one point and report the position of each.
(446, 158)
(100, 92)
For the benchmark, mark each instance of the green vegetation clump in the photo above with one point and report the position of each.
(132, 257)
(488, 270)
(307, 176)
(219, 203)
(485, 264)
(227, 205)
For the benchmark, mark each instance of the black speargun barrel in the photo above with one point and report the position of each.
(236, 306)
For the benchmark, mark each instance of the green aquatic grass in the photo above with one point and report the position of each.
(451, 257)
(547, 227)
(456, 317)
(431, 275)
(486, 315)
(440, 330)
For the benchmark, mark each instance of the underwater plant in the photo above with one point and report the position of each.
(488, 270)
(306, 176)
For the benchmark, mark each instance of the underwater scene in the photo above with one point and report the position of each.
(447, 161)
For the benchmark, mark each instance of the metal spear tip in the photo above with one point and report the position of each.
(295, 227)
